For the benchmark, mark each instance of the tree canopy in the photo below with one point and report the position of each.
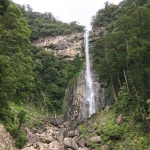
(121, 57)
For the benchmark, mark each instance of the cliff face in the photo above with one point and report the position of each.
(65, 46)
(77, 107)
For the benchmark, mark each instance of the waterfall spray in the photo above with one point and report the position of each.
(88, 76)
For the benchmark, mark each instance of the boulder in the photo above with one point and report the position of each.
(53, 121)
(105, 147)
(47, 139)
(76, 139)
(29, 148)
(82, 143)
(120, 119)
(73, 133)
(107, 108)
(96, 139)
(54, 146)
(69, 142)
(132, 122)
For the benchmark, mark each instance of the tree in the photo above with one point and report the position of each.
(3, 6)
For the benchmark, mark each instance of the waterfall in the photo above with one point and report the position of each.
(88, 76)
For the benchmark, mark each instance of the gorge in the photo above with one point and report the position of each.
(64, 89)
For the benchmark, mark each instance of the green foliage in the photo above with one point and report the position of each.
(45, 24)
(116, 136)
(52, 76)
(3, 6)
(21, 139)
(21, 117)
(83, 129)
(121, 57)
(29, 74)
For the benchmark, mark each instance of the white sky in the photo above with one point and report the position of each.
(68, 10)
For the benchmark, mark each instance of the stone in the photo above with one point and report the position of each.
(96, 139)
(47, 139)
(82, 143)
(54, 145)
(73, 133)
(63, 46)
(84, 148)
(32, 138)
(120, 119)
(132, 122)
(107, 108)
(53, 121)
(29, 148)
(105, 147)
(76, 139)
(6, 139)
(69, 142)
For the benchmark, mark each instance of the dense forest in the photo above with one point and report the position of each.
(121, 57)
(29, 75)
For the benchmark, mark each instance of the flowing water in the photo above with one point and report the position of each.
(88, 77)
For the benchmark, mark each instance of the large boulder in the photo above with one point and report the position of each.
(96, 139)
(54, 146)
(69, 142)
(120, 119)
(53, 121)
(82, 143)
(73, 133)
(105, 147)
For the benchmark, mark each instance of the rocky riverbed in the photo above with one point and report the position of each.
(55, 136)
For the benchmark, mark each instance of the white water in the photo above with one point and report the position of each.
(89, 82)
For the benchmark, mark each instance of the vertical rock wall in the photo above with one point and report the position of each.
(76, 105)
(74, 98)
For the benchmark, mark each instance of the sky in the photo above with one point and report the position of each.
(69, 10)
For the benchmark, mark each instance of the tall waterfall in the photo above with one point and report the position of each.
(88, 76)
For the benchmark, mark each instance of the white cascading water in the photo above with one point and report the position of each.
(89, 81)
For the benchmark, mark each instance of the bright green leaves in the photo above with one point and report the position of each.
(123, 56)
(16, 70)
(52, 76)
(14, 32)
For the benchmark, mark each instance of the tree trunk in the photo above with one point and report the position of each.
(126, 79)
(113, 88)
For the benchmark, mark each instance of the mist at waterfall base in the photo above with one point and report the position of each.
(89, 92)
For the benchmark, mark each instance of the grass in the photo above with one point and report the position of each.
(32, 116)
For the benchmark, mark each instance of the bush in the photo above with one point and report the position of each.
(21, 139)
